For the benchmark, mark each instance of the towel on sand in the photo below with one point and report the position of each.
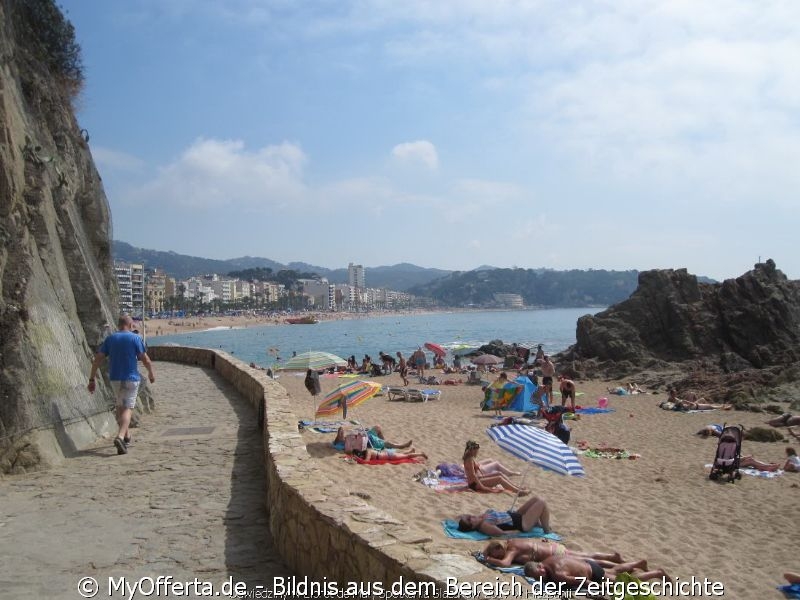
(451, 530)
(790, 591)
(627, 579)
(757, 473)
(388, 461)
(593, 410)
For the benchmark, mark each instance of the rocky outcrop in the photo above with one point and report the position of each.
(739, 339)
(55, 261)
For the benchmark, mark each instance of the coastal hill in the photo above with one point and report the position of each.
(538, 287)
(736, 341)
(397, 277)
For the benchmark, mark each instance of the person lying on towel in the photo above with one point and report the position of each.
(534, 513)
(389, 454)
(523, 550)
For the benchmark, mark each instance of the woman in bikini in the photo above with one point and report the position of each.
(387, 454)
(521, 551)
(479, 480)
(534, 513)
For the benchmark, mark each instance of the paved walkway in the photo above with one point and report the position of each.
(182, 504)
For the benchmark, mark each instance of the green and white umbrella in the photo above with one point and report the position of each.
(314, 360)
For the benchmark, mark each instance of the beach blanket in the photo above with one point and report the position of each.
(790, 591)
(498, 398)
(628, 579)
(757, 473)
(593, 410)
(388, 461)
(451, 530)
(619, 454)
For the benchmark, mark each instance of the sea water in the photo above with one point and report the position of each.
(269, 345)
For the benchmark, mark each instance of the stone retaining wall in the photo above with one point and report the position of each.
(321, 530)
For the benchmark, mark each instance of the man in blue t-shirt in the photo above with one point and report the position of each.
(124, 349)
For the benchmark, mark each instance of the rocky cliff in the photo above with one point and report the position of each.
(738, 340)
(55, 231)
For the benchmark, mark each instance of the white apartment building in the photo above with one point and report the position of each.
(130, 282)
(355, 274)
(510, 300)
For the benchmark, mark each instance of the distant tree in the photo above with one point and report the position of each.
(256, 274)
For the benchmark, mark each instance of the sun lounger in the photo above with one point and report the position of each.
(415, 395)
(396, 393)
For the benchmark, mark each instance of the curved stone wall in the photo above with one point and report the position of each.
(321, 530)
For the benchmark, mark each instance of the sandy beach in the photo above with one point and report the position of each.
(177, 325)
(661, 506)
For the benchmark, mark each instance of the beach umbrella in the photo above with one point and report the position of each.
(314, 360)
(353, 393)
(538, 447)
(486, 359)
(435, 348)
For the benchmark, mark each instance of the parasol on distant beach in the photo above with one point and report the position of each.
(352, 393)
(314, 360)
(435, 348)
(486, 359)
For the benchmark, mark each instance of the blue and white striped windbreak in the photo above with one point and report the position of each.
(537, 446)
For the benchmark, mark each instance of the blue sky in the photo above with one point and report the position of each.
(452, 134)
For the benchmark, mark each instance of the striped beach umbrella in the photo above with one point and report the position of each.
(353, 393)
(536, 446)
(314, 360)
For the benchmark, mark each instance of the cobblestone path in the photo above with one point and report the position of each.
(187, 501)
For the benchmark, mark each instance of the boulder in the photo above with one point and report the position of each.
(737, 341)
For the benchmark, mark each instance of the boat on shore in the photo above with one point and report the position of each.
(309, 320)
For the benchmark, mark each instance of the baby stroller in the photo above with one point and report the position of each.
(729, 452)
(554, 415)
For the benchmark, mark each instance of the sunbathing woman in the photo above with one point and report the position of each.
(534, 513)
(784, 420)
(520, 551)
(482, 481)
(389, 454)
(375, 439)
(792, 464)
(674, 403)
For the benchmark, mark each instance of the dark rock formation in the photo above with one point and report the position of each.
(55, 261)
(738, 340)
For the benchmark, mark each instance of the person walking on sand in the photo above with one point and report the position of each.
(402, 367)
(123, 349)
(548, 372)
(419, 361)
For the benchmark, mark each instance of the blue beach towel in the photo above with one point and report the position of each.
(593, 410)
(451, 530)
(790, 591)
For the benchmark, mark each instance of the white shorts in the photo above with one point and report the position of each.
(125, 393)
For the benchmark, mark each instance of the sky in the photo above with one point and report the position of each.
(452, 134)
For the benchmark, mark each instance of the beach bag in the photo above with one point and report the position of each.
(355, 442)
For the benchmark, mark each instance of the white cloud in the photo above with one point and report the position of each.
(114, 159)
(218, 173)
(420, 152)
